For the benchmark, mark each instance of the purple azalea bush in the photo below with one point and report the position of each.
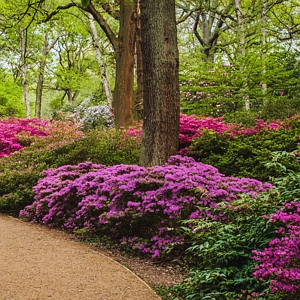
(142, 207)
(280, 262)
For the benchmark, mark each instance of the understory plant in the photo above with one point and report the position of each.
(279, 263)
(243, 152)
(252, 254)
(65, 144)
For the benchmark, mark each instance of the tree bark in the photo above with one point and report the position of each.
(98, 55)
(161, 82)
(124, 55)
(138, 103)
(24, 72)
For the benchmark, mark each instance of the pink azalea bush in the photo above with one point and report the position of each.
(280, 262)
(142, 207)
(16, 133)
(11, 127)
(192, 126)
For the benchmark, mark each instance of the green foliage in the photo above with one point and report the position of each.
(85, 3)
(245, 155)
(10, 97)
(220, 254)
(215, 89)
(21, 171)
(287, 181)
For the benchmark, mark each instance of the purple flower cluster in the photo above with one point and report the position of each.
(129, 201)
(11, 127)
(280, 262)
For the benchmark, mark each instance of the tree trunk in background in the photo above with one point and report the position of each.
(98, 55)
(139, 68)
(40, 83)
(161, 83)
(72, 95)
(24, 71)
(264, 50)
(124, 54)
(39, 89)
(242, 39)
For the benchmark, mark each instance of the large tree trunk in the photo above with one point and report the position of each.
(161, 83)
(98, 55)
(124, 54)
(24, 72)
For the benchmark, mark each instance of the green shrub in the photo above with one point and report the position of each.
(245, 155)
(21, 171)
(220, 255)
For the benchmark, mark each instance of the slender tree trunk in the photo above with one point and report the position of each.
(98, 55)
(263, 58)
(40, 83)
(39, 89)
(243, 67)
(139, 67)
(161, 83)
(24, 72)
(124, 54)
(70, 96)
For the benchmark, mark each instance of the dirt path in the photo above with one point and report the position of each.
(38, 263)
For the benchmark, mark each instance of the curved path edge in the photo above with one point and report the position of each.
(39, 263)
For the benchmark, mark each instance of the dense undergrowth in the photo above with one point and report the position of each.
(238, 237)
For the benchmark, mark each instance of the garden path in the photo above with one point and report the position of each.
(38, 263)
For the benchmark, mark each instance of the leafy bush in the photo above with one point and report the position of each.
(221, 265)
(189, 129)
(89, 116)
(141, 207)
(64, 144)
(279, 262)
(244, 152)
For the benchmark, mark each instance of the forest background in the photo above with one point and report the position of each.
(237, 58)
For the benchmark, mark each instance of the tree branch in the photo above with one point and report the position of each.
(97, 16)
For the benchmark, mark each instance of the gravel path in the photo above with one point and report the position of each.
(38, 263)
